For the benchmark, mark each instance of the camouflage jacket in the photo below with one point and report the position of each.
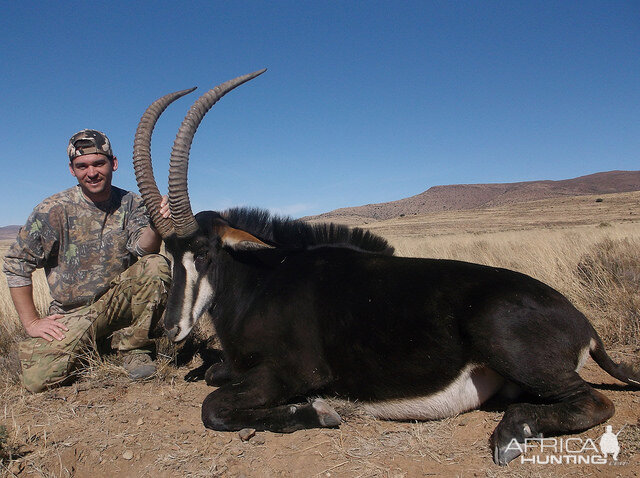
(81, 245)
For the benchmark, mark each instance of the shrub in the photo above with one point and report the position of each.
(610, 277)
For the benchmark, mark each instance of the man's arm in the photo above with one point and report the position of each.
(150, 240)
(47, 327)
(33, 246)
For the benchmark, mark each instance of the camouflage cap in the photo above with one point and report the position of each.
(89, 141)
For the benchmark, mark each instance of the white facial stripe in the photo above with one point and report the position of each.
(186, 322)
(192, 310)
(203, 299)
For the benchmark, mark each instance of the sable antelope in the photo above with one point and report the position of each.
(303, 311)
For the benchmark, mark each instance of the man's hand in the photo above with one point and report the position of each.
(164, 207)
(150, 239)
(47, 327)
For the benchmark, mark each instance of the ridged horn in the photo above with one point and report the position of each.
(183, 219)
(142, 161)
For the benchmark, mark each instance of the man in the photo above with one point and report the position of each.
(88, 238)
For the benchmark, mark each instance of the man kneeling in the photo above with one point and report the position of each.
(88, 239)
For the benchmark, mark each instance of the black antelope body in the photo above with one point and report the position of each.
(306, 310)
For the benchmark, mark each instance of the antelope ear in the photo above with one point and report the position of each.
(240, 240)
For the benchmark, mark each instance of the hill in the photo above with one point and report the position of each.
(8, 232)
(556, 214)
(461, 197)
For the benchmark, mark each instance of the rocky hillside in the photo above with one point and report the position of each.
(472, 196)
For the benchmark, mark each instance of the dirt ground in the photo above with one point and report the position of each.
(109, 426)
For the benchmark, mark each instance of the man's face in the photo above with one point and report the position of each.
(94, 172)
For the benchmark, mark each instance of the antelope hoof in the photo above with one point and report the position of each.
(327, 416)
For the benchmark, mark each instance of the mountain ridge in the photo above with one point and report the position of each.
(458, 197)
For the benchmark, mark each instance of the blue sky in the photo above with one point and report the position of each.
(363, 102)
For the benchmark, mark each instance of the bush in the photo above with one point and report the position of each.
(610, 289)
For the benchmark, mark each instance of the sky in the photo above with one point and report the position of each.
(363, 101)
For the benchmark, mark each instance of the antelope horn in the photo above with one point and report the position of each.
(142, 161)
(183, 219)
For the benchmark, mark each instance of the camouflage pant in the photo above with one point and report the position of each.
(126, 312)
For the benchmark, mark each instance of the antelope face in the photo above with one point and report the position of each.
(192, 290)
(191, 245)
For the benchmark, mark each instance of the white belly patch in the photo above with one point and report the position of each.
(470, 389)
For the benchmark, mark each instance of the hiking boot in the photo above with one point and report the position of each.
(139, 365)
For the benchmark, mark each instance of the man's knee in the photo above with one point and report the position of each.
(34, 383)
(48, 364)
(42, 366)
(153, 266)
